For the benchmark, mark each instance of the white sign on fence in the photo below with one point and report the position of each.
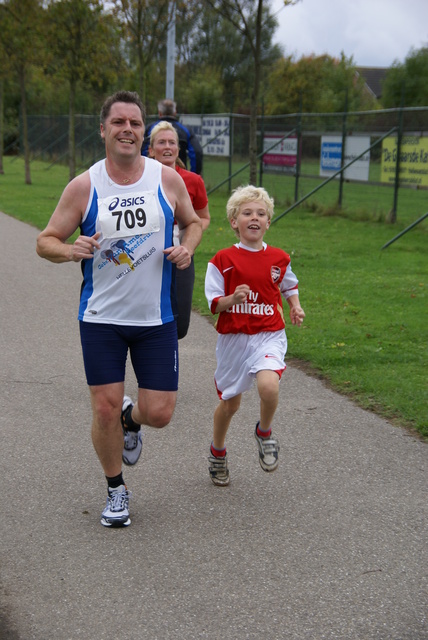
(216, 135)
(213, 133)
(331, 154)
(283, 157)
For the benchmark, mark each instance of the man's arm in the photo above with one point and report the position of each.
(189, 223)
(51, 242)
(204, 216)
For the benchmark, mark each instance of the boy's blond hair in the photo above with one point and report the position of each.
(163, 125)
(248, 193)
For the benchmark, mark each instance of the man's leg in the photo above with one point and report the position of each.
(107, 438)
(155, 360)
(154, 408)
(107, 434)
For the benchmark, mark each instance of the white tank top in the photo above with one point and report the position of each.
(129, 281)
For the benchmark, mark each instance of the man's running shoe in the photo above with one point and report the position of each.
(218, 470)
(268, 452)
(116, 512)
(132, 440)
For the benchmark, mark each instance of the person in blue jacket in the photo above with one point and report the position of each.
(190, 148)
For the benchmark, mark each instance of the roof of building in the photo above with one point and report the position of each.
(373, 77)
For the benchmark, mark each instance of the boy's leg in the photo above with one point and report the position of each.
(223, 415)
(217, 459)
(268, 389)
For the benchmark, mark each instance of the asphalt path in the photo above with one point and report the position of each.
(331, 545)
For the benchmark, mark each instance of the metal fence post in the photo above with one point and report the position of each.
(393, 213)
(262, 135)
(342, 160)
(299, 148)
(230, 149)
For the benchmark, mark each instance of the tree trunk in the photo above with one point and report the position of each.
(24, 125)
(1, 126)
(255, 97)
(71, 135)
(141, 74)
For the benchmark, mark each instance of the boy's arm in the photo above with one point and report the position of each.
(237, 297)
(215, 294)
(296, 312)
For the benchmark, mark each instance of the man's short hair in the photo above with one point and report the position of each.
(130, 97)
(167, 108)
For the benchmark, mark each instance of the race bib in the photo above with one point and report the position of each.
(134, 214)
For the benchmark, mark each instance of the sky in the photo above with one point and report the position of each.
(375, 33)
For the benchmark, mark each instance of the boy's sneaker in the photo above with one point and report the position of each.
(132, 440)
(116, 512)
(268, 451)
(218, 470)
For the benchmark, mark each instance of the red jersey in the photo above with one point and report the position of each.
(195, 187)
(266, 272)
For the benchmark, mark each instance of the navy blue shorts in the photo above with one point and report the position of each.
(153, 351)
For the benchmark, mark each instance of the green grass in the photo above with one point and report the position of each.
(365, 328)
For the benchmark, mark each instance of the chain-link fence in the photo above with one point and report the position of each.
(48, 135)
(297, 153)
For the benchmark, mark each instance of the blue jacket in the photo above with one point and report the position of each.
(190, 147)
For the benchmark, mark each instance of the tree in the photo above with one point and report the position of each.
(1, 125)
(20, 40)
(146, 24)
(2, 74)
(216, 44)
(249, 17)
(83, 48)
(407, 80)
(202, 92)
(315, 84)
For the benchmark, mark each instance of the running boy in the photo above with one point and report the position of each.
(243, 284)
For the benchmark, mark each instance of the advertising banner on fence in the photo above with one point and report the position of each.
(331, 154)
(216, 135)
(283, 157)
(213, 133)
(413, 160)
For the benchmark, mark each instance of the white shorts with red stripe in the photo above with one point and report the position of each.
(240, 357)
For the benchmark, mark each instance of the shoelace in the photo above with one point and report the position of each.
(131, 440)
(118, 500)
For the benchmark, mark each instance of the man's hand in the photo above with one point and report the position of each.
(84, 247)
(179, 255)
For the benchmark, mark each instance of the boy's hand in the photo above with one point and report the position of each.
(296, 315)
(240, 294)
